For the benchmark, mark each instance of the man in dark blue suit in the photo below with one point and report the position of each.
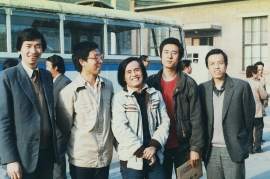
(55, 64)
(28, 146)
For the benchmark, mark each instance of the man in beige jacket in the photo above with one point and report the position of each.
(83, 114)
(259, 95)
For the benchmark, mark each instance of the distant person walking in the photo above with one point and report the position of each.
(259, 96)
(145, 60)
(55, 64)
(262, 80)
(186, 66)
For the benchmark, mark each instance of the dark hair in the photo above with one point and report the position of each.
(251, 69)
(122, 69)
(143, 57)
(57, 61)
(81, 51)
(216, 51)
(9, 63)
(29, 35)
(259, 63)
(185, 63)
(174, 41)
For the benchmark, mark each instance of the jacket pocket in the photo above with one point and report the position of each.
(85, 116)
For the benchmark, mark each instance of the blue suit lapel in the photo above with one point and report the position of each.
(26, 85)
(227, 96)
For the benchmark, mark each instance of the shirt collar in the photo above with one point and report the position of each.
(218, 92)
(84, 82)
(29, 71)
(56, 77)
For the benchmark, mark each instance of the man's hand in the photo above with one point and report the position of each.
(149, 152)
(153, 160)
(14, 170)
(194, 158)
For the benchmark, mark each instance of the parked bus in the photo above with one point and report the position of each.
(119, 34)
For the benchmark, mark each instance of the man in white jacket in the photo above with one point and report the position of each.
(140, 123)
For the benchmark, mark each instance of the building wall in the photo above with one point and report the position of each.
(230, 17)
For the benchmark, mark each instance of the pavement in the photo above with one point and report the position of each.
(257, 165)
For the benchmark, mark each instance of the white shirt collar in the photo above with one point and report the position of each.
(56, 77)
(29, 71)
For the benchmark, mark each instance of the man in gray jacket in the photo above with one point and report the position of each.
(55, 64)
(228, 113)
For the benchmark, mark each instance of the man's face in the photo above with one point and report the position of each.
(260, 70)
(216, 66)
(134, 75)
(146, 62)
(169, 57)
(93, 64)
(31, 52)
(189, 69)
(52, 69)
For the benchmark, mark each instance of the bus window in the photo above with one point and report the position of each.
(77, 29)
(97, 40)
(123, 38)
(3, 37)
(153, 36)
(47, 24)
(83, 38)
(175, 33)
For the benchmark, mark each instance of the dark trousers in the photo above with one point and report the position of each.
(174, 157)
(59, 171)
(89, 173)
(44, 169)
(256, 134)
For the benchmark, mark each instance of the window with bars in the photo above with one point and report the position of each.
(254, 40)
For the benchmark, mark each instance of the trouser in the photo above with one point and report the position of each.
(220, 165)
(174, 157)
(148, 172)
(89, 173)
(257, 140)
(59, 171)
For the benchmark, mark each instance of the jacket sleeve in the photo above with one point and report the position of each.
(120, 126)
(65, 112)
(162, 132)
(8, 148)
(250, 109)
(263, 94)
(196, 139)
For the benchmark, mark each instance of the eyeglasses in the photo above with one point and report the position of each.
(97, 57)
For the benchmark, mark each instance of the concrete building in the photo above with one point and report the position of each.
(239, 27)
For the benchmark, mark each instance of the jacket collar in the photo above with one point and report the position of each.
(80, 83)
(130, 91)
(181, 82)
